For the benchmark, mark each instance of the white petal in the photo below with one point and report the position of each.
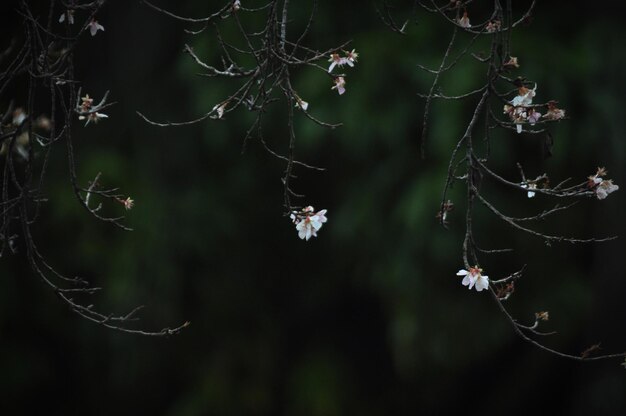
(482, 283)
(519, 128)
(466, 281)
(462, 272)
(332, 66)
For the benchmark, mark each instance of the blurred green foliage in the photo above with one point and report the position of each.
(368, 318)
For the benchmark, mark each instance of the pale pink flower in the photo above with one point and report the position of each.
(492, 26)
(308, 222)
(236, 5)
(464, 21)
(94, 26)
(351, 57)
(340, 85)
(602, 187)
(533, 116)
(128, 203)
(336, 60)
(554, 113)
(474, 278)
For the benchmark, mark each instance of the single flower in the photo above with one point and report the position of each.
(554, 113)
(351, 57)
(340, 85)
(300, 103)
(492, 26)
(335, 60)
(464, 21)
(474, 278)
(308, 222)
(220, 108)
(94, 26)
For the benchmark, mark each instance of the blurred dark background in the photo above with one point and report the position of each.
(367, 319)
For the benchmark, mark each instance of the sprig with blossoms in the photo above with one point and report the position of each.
(308, 222)
(471, 159)
(266, 81)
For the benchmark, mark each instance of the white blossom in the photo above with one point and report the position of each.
(464, 21)
(220, 108)
(474, 278)
(340, 85)
(308, 222)
(300, 103)
(94, 26)
(604, 188)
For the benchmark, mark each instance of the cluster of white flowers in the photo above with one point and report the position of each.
(338, 61)
(519, 110)
(474, 278)
(308, 222)
(602, 187)
(85, 107)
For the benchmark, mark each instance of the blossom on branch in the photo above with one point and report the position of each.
(308, 222)
(464, 21)
(492, 26)
(602, 187)
(300, 103)
(340, 85)
(554, 113)
(474, 278)
(94, 26)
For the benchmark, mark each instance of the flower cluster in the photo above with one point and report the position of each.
(308, 222)
(336, 60)
(519, 111)
(87, 111)
(602, 187)
(474, 278)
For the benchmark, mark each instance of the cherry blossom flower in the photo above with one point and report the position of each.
(128, 203)
(236, 5)
(308, 222)
(492, 26)
(351, 57)
(220, 108)
(300, 103)
(340, 85)
(94, 26)
(474, 278)
(554, 113)
(464, 21)
(92, 117)
(602, 187)
(86, 102)
(336, 60)
(533, 116)
(529, 186)
(69, 15)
